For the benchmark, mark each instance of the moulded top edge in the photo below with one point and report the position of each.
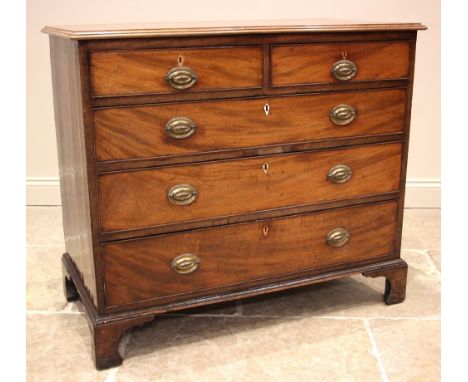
(92, 32)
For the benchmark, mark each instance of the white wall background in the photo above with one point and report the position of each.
(423, 188)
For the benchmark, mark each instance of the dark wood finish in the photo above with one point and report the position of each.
(91, 172)
(251, 251)
(250, 39)
(395, 282)
(404, 161)
(308, 64)
(129, 200)
(90, 156)
(144, 71)
(274, 285)
(107, 331)
(139, 132)
(107, 337)
(107, 341)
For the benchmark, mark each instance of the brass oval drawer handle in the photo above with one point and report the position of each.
(340, 174)
(186, 263)
(181, 77)
(344, 70)
(180, 127)
(342, 114)
(338, 237)
(182, 194)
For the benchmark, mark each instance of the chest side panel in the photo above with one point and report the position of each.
(74, 186)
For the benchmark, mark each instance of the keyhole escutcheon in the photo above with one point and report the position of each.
(265, 230)
(180, 60)
(266, 109)
(265, 167)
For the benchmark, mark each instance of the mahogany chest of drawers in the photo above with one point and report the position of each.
(210, 163)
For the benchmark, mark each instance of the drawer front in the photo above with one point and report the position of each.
(314, 63)
(188, 128)
(170, 266)
(144, 198)
(118, 73)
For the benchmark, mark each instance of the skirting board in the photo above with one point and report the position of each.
(420, 192)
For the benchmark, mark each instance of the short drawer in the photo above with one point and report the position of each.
(174, 194)
(175, 265)
(134, 72)
(200, 127)
(301, 64)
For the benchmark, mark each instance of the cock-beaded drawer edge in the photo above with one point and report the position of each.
(266, 48)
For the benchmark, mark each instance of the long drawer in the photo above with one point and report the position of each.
(200, 127)
(145, 198)
(147, 71)
(174, 265)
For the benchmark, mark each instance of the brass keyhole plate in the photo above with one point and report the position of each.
(265, 167)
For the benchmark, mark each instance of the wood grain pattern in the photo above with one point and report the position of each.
(312, 63)
(130, 200)
(294, 198)
(260, 40)
(273, 284)
(149, 99)
(144, 71)
(206, 28)
(246, 217)
(139, 132)
(291, 245)
(70, 135)
(246, 152)
(115, 318)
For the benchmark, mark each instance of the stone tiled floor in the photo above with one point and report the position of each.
(338, 331)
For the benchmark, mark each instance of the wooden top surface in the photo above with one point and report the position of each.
(91, 32)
